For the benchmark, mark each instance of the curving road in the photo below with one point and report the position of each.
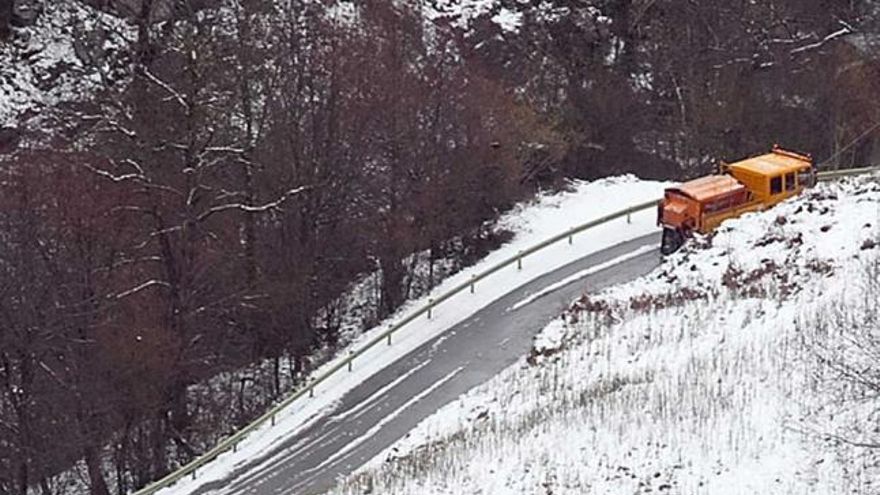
(389, 404)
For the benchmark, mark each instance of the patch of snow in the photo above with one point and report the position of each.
(551, 338)
(508, 20)
(346, 13)
(460, 12)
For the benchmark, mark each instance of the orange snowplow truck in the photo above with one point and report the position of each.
(752, 184)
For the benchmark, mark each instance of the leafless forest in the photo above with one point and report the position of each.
(175, 245)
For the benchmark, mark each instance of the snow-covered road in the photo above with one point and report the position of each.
(385, 407)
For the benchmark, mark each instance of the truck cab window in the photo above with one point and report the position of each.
(776, 185)
(789, 182)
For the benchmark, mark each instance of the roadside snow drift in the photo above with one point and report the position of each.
(746, 363)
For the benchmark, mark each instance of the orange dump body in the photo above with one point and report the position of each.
(686, 206)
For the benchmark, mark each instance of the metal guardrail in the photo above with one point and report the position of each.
(835, 174)
(231, 442)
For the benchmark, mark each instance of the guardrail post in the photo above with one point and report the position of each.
(570, 237)
(194, 474)
(473, 277)
(273, 420)
(350, 359)
(519, 261)
(234, 447)
(628, 218)
(312, 392)
(389, 339)
(430, 307)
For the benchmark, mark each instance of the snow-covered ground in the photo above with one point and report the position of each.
(745, 364)
(531, 223)
(70, 52)
(508, 16)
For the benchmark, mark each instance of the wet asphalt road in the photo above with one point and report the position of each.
(388, 405)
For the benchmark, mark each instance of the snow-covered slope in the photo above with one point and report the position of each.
(742, 365)
(71, 51)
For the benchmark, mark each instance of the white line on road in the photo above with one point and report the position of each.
(369, 400)
(579, 275)
(375, 429)
(262, 472)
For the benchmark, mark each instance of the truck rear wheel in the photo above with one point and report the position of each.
(672, 240)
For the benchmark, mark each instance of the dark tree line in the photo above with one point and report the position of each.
(665, 88)
(173, 256)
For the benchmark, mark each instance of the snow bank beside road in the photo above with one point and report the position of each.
(548, 216)
(717, 374)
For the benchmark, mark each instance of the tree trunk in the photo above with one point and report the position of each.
(180, 418)
(44, 486)
(96, 478)
(120, 460)
(392, 285)
(276, 375)
(160, 463)
(432, 258)
(143, 45)
(5, 18)
(23, 473)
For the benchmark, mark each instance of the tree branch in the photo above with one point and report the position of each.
(145, 285)
(174, 93)
(250, 208)
(819, 44)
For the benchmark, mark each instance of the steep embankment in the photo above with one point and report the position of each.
(742, 365)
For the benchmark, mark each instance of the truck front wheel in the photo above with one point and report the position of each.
(672, 240)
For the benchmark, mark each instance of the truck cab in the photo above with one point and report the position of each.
(774, 176)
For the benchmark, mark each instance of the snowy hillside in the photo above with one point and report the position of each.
(744, 364)
(508, 16)
(71, 51)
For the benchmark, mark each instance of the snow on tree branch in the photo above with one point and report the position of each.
(116, 178)
(145, 285)
(819, 44)
(250, 208)
(174, 93)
